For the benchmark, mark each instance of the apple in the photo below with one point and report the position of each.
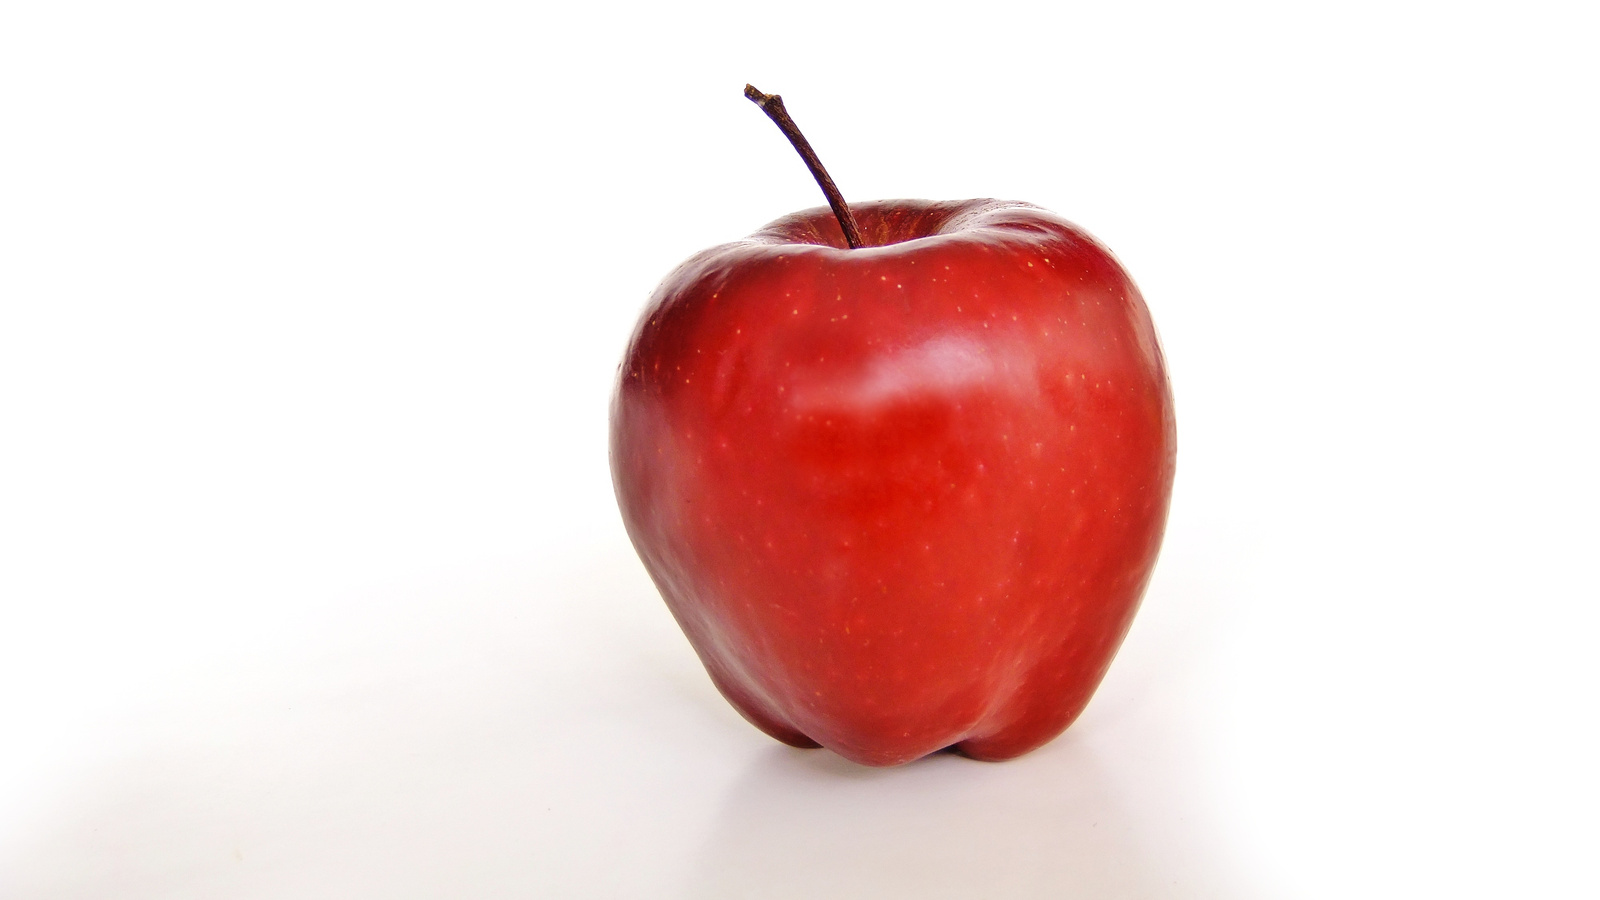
(904, 496)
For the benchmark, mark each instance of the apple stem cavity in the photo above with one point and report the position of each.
(772, 105)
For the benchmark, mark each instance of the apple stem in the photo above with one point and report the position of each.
(772, 105)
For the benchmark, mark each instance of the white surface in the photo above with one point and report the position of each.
(311, 582)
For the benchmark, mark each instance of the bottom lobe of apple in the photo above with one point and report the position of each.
(980, 725)
(1007, 744)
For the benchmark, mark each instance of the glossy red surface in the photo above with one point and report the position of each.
(903, 497)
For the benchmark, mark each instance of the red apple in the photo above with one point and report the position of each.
(903, 497)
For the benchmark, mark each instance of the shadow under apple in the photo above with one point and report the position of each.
(811, 824)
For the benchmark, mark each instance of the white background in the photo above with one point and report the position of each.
(311, 580)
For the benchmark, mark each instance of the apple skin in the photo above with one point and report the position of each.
(905, 497)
